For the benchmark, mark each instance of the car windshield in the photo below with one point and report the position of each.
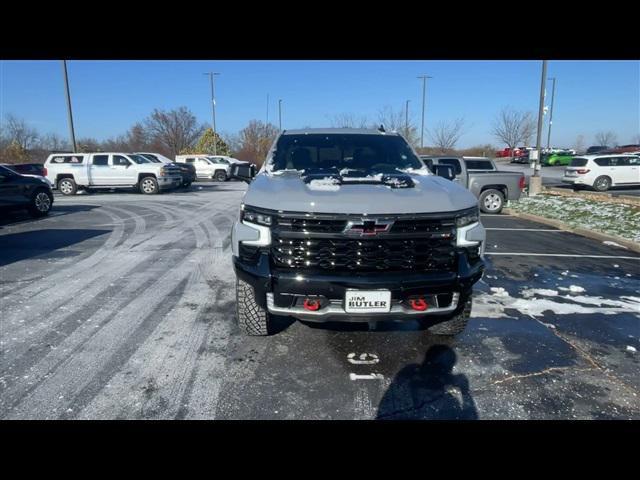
(370, 153)
(578, 162)
(138, 158)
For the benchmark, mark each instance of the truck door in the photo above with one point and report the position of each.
(99, 172)
(123, 171)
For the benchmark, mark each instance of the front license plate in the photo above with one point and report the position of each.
(367, 301)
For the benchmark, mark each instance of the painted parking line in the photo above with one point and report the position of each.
(524, 254)
(527, 229)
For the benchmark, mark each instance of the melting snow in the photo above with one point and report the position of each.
(327, 184)
(572, 288)
(499, 292)
(631, 349)
(614, 244)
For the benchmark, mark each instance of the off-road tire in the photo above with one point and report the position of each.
(220, 176)
(602, 183)
(252, 318)
(455, 325)
(491, 201)
(67, 186)
(40, 204)
(149, 186)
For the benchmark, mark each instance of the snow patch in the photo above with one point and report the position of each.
(327, 184)
(572, 288)
(530, 292)
(631, 349)
(499, 292)
(614, 244)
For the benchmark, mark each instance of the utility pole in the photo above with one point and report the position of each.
(213, 107)
(280, 114)
(406, 120)
(69, 113)
(553, 94)
(535, 182)
(424, 96)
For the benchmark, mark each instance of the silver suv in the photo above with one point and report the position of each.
(349, 225)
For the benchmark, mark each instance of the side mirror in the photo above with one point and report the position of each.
(243, 172)
(445, 171)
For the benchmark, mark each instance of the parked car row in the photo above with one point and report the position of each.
(150, 173)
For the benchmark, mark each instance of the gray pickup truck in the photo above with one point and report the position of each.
(348, 225)
(480, 175)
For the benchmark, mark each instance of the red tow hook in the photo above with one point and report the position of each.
(418, 304)
(311, 305)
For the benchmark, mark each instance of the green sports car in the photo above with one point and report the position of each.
(558, 159)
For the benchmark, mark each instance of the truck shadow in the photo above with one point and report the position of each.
(41, 243)
(429, 391)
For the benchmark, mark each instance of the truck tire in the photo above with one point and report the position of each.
(491, 201)
(602, 183)
(220, 176)
(67, 186)
(40, 203)
(149, 186)
(252, 318)
(455, 325)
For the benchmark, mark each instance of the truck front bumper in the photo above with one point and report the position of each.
(280, 291)
(170, 181)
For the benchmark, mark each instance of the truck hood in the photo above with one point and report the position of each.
(287, 191)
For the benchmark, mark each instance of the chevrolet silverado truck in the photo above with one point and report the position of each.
(187, 170)
(349, 225)
(73, 171)
(480, 175)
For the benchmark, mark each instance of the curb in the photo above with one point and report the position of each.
(630, 244)
(602, 196)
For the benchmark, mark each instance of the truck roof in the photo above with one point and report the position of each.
(337, 131)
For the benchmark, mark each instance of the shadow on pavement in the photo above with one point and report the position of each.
(21, 246)
(17, 216)
(429, 391)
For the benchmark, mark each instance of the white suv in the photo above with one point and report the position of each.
(603, 171)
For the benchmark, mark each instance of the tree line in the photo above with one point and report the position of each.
(177, 131)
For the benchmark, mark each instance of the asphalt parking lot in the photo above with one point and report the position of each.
(122, 306)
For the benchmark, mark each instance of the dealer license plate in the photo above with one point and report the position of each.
(367, 301)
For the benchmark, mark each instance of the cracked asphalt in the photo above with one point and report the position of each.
(122, 306)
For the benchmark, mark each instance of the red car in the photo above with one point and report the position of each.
(517, 152)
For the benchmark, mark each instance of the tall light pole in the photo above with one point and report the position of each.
(553, 94)
(406, 120)
(69, 113)
(424, 96)
(280, 114)
(213, 107)
(536, 166)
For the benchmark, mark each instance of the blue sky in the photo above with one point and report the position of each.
(109, 96)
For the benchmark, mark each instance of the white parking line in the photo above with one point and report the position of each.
(495, 215)
(522, 254)
(528, 229)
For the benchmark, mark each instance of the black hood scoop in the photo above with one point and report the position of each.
(359, 177)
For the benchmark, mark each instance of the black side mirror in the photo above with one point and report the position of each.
(243, 172)
(445, 171)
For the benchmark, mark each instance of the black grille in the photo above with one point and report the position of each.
(415, 244)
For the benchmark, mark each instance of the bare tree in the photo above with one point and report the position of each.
(606, 138)
(445, 135)
(513, 127)
(397, 121)
(19, 132)
(349, 120)
(255, 140)
(88, 144)
(174, 129)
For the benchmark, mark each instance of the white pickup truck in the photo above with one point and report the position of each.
(73, 171)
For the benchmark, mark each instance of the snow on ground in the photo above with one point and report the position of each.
(612, 218)
(572, 288)
(535, 302)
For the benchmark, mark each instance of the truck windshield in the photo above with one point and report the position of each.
(138, 158)
(366, 152)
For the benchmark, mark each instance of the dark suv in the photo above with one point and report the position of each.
(22, 192)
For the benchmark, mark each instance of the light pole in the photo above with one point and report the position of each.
(535, 182)
(213, 107)
(280, 114)
(424, 96)
(69, 113)
(406, 120)
(553, 94)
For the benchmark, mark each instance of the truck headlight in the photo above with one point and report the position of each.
(251, 215)
(467, 217)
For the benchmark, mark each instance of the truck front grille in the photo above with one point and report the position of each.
(317, 243)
